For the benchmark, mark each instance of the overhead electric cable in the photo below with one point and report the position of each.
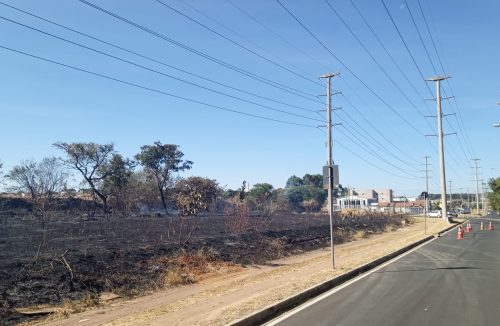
(370, 151)
(377, 63)
(348, 69)
(434, 69)
(407, 48)
(368, 137)
(368, 162)
(448, 82)
(158, 72)
(163, 63)
(236, 43)
(394, 61)
(296, 92)
(152, 89)
(283, 39)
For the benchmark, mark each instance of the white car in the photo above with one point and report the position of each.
(435, 214)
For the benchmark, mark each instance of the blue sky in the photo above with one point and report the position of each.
(42, 103)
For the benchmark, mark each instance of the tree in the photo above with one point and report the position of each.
(43, 181)
(315, 180)
(116, 184)
(206, 189)
(90, 159)
(261, 194)
(161, 161)
(299, 191)
(294, 181)
(193, 195)
(494, 196)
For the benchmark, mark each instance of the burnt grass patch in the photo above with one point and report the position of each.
(76, 258)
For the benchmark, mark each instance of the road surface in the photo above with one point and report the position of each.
(444, 282)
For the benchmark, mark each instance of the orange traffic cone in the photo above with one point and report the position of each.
(460, 234)
(470, 227)
(490, 227)
(482, 226)
(466, 228)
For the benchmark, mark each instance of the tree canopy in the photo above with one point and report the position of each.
(161, 161)
(494, 196)
(91, 160)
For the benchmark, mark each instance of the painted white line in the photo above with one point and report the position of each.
(346, 284)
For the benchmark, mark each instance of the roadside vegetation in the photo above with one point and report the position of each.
(136, 225)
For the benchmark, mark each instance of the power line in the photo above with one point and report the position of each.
(348, 69)
(407, 48)
(158, 72)
(368, 162)
(370, 151)
(368, 138)
(433, 67)
(163, 63)
(242, 71)
(372, 125)
(234, 42)
(387, 52)
(384, 71)
(460, 121)
(267, 28)
(152, 89)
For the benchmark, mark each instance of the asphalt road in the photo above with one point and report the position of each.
(444, 282)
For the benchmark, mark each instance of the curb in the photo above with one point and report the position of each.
(274, 310)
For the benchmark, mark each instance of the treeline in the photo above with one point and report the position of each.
(150, 182)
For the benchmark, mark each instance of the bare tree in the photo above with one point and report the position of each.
(90, 159)
(43, 181)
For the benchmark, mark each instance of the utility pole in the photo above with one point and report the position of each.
(329, 124)
(477, 186)
(468, 199)
(451, 205)
(482, 197)
(444, 210)
(427, 192)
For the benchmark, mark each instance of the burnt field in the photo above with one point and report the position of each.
(77, 259)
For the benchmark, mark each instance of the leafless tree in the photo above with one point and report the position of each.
(42, 181)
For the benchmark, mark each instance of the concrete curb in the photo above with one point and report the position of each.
(266, 314)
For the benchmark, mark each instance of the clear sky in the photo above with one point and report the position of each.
(381, 143)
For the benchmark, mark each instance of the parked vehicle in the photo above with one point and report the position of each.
(435, 214)
(452, 213)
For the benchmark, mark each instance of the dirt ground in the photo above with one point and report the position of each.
(220, 299)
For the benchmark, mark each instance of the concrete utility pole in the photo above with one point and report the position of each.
(444, 210)
(330, 159)
(451, 205)
(427, 191)
(477, 186)
(468, 199)
(482, 197)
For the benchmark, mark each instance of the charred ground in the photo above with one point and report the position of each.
(79, 258)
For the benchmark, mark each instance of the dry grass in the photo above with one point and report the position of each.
(73, 306)
(187, 268)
